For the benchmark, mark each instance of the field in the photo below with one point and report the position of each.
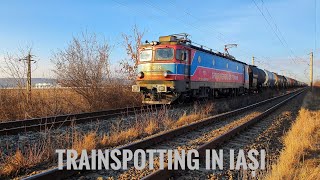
(55, 101)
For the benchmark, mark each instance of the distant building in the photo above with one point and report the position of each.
(43, 85)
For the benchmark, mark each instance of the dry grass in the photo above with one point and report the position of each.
(23, 160)
(66, 101)
(43, 152)
(300, 157)
(120, 137)
(88, 141)
(48, 102)
(197, 115)
(146, 124)
(151, 127)
(187, 119)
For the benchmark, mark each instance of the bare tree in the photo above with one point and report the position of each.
(84, 67)
(131, 44)
(14, 68)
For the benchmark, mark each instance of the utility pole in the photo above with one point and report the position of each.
(253, 60)
(29, 60)
(311, 70)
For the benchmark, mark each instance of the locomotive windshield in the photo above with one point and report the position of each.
(146, 55)
(164, 54)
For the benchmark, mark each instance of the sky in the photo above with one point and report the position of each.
(280, 39)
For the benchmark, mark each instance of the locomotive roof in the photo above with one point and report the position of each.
(217, 54)
(182, 39)
(194, 47)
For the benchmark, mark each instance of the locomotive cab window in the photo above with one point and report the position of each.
(146, 55)
(182, 55)
(164, 54)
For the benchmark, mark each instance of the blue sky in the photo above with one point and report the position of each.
(49, 25)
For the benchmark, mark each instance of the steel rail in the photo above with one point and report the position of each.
(50, 122)
(220, 140)
(55, 173)
(38, 124)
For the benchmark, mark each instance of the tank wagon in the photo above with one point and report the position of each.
(270, 79)
(174, 69)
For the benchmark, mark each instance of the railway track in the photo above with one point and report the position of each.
(228, 140)
(272, 103)
(51, 122)
(39, 124)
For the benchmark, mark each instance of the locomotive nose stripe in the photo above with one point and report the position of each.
(173, 68)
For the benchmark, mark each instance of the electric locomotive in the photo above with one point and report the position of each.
(174, 69)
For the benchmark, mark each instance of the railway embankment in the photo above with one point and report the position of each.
(300, 156)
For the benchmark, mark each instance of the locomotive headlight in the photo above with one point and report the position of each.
(165, 73)
(162, 88)
(141, 75)
(135, 88)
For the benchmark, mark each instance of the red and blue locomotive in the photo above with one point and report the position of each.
(174, 69)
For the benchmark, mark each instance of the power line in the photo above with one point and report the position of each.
(271, 27)
(278, 30)
(224, 36)
(220, 37)
(160, 20)
(189, 14)
(189, 24)
(179, 19)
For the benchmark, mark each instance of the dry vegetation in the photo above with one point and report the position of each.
(23, 160)
(84, 68)
(300, 157)
(47, 102)
(145, 124)
(150, 124)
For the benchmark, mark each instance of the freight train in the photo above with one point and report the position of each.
(174, 69)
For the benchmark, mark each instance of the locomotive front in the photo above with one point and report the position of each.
(162, 70)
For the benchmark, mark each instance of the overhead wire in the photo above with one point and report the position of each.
(278, 30)
(188, 13)
(271, 27)
(177, 18)
(161, 21)
(275, 29)
(224, 37)
(221, 36)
